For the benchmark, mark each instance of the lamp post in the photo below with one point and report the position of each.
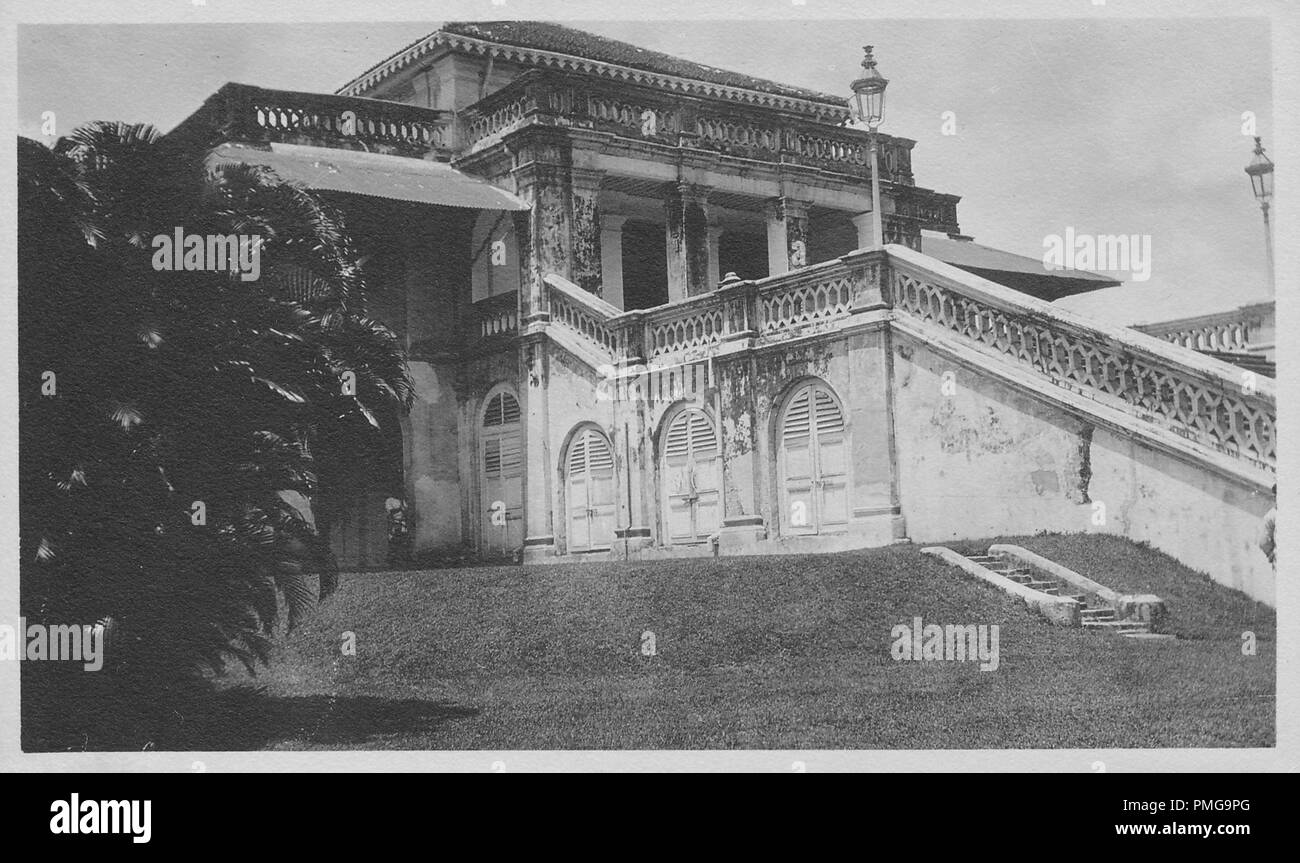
(869, 105)
(1260, 171)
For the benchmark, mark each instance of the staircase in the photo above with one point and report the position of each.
(1098, 618)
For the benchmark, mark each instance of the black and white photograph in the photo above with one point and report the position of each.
(492, 385)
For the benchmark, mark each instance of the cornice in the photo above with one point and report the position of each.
(537, 57)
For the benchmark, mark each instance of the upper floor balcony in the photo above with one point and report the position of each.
(240, 112)
(544, 97)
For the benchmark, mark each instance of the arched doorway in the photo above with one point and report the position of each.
(689, 478)
(502, 482)
(589, 491)
(812, 462)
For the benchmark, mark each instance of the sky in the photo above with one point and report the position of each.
(1099, 126)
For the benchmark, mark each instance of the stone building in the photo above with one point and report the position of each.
(646, 317)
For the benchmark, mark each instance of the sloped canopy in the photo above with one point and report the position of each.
(1024, 274)
(398, 178)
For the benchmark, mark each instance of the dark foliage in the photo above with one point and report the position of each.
(176, 387)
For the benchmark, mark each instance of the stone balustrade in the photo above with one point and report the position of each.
(1234, 331)
(1155, 384)
(498, 316)
(1201, 399)
(255, 114)
(642, 113)
(766, 310)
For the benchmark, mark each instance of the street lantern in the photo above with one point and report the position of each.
(869, 105)
(869, 92)
(1260, 171)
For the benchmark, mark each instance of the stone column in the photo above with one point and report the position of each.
(634, 531)
(743, 528)
(687, 240)
(563, 235)
(611, 257)
(787, 235)
(865, 223)
(539, 490)
(714, 239)
(585, 229)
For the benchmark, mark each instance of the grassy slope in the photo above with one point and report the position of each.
(773, 652)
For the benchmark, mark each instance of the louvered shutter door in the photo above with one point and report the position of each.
(690, 478)
(677, 479)
(797, 461)
(831, 460)
(579, 523)
(591, 490)
(704, 474)
(600, 466)
(503, 472)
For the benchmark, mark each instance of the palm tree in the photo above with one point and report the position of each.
(170, 420)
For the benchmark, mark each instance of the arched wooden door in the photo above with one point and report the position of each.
(589, 491)
(503, 476)
(689, 477)
(813, 463)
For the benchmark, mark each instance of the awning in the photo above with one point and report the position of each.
(375, 174)
(1025, 274)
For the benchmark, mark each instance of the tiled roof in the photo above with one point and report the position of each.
(542, 42)
(546, 36)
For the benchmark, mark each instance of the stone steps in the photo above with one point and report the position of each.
(1095, 618)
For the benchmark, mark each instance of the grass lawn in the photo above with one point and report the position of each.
(772, 652)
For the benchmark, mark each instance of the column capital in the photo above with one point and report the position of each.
(612, 221)
(787, 207)
(587, 179)
(693, 192)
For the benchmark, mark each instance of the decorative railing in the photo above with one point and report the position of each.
(1234, 336)
(246, 113)
(500, 118)
(632, 111)
(1234, 331)
(1198, 398)
(697, 323)
(583, 314)
(788, 304)
(498, 316)
(773, 308)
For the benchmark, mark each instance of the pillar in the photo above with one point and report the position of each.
(743, 529)
(865, 223)
(539, 463)
(714, 240)
(585, 230)
(787, 235)
(632, 441)
(563, 235)
(611, 258)
(687, 241)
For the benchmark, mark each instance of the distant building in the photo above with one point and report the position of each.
(1245, 336)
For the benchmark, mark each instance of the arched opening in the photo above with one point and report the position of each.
(589, 491)
(502, 475)
(689, 477)
(812, 462)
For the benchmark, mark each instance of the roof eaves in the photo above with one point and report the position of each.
(537, 56)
